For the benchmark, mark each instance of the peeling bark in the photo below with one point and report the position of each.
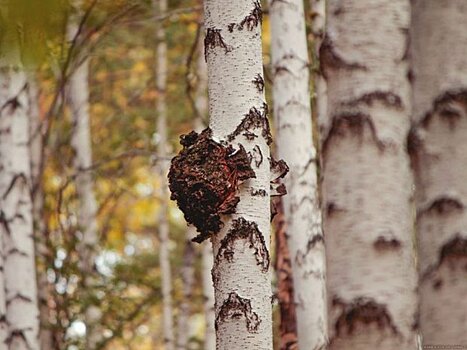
(367, 184)
(19, 313)
(238, 115)
(438, 149)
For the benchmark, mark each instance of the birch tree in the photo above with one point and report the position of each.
(81, 143)
(438, 147)
(221, 177)
(160, 7)
(292, 113)
(367, 184)
(19, 325)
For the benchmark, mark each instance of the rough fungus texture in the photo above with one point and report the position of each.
(254, 119)
(248, 231)
(203, 179)
(235, 307)
(365, 311)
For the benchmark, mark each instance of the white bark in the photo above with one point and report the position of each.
(207, 252)
(439, 153)
(367, 184)
(241, 276)
(160, 7)
(292, 113)
(35, 148)
(81, 142)
(19, 326)
(318, 21)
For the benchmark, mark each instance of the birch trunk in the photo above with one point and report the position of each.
(160, 7)
(36, 145)
(439, 153)
(187, 274)
(207, 252)
(87, 223)
(318, 21)
(367, 184)
(241, 276)
(19, 325)
(292, 113)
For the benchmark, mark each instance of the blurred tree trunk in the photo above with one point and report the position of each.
(285, 292)
(35, 147)
(367, 183)
(318, 21)
(438, 149)
(82, 145)
(160, 7)
(187, 275)
(19, 324)
(241, 276)
(206, 253)
(292, 113)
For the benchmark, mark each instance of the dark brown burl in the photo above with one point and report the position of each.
(204, 178)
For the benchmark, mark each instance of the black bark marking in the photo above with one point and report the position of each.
(406, 52)
(312, 242)
(204, 178)
(17, 334)
(245, 230)
(214, 39)
(254, 119)
(384, 243)
(235, 307)
(437, 284)
(448, 106)
(414, 149)
(254, 19)
(330, 59)
(365, 311)
(259, 82)
(278, 170)
(16, 178)
(332, 209)
(442, 206)
(19, 296)
(261, 192)
(454, 250)
(351, 123)
(259, 161)
(387, 98)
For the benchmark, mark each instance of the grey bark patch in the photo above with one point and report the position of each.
(204, 178)
(364, 311)
(254, 119)
(331, 60)
(244, 230)
(235, 307)
(387, 98)
(214, 39)
(351, 124)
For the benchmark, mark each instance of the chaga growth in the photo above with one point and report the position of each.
(203, 179)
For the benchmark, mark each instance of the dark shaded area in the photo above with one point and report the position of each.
(214, 39)
(254, 119)
(203, 179)
(235, 307)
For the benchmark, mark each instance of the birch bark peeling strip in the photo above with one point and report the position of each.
(438, 146)
(367, 183)
(292, 113)
(19, 329)
(242, 282)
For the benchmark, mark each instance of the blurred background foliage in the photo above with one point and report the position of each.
(118, 36)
